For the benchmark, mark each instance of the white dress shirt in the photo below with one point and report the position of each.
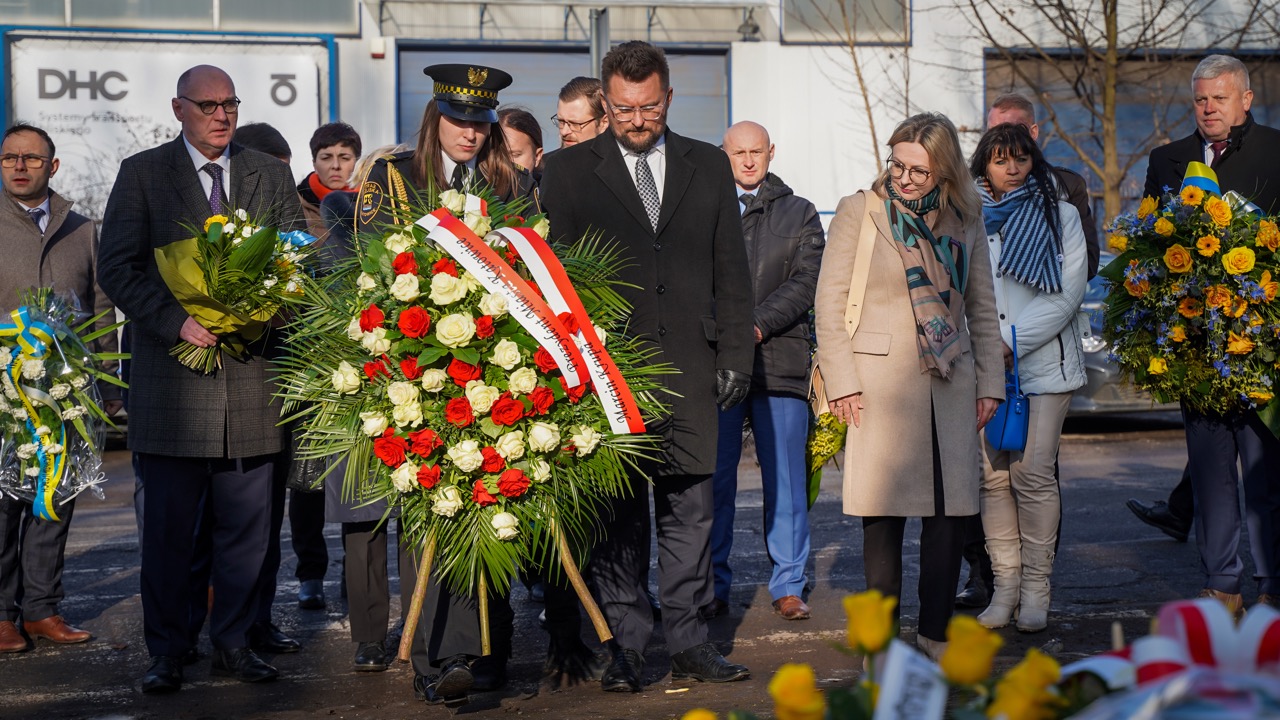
(206, 180)
(657, 160)
(449, 164)
(44, 219)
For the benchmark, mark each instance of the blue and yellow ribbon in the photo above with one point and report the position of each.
(1203, 177)
(34, 339)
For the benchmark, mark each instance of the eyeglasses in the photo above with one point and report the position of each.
(35, 162)
(230, 107)
(647, 112)
(917, 175)
(560, 123)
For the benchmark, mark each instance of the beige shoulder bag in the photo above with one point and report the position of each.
(857, 291)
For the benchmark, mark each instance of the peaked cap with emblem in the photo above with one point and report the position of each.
(468, 92)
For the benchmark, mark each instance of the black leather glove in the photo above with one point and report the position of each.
(731, 388)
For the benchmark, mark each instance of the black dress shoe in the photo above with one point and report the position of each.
(449, 688)
(714, 609)
(1158, 516)
(311, 595)
(190, 657)
(623, 673)
(266, 637)
(371, 657)
(974, 594)
(488, 673)
(242, 664)
(164, 676)
(705, 663)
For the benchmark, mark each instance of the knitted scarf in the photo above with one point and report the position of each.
(1030, 250)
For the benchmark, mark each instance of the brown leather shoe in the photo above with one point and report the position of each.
(11, 641)
(791, 607)
(56, 629)
(1233, 602)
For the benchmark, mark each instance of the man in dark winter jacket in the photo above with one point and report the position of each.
(784, 241)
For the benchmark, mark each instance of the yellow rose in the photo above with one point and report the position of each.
(1268, 235)
(1208, 245)
(1017, 703)
(1177, 258)
(1037, 670)
(699, 714)
(1164, 227)
(1146, 207)
(1260, 397)
(871, 622)
(795, 694)
(1137, 288)
(1178, 334)
(1238, 261)
(220, 219)
(1238, 306)
(1157, 366)
(1192, 195)
(1219, 210)
(1239, 344)
(1219, 297)
(970, 649)
(1269, 286)
(1117, 243)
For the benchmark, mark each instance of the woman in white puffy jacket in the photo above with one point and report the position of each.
(1038, 259)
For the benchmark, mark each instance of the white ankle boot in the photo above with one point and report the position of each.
(933, 649)
(1037, 567)
(1006, 565)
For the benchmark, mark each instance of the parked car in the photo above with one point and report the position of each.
(1105, 391)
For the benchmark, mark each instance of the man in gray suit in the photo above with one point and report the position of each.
(196, 434)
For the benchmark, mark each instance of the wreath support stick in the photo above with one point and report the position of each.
(575, 579)
(415, 603)
(483, 590)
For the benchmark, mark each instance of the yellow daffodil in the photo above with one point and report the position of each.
(1164, 227)
(795, 694)
(1117, 243)
(699, 714)
(1023, 694)
(1178, 333)
(1146, 207)
(1157, 366)
(1218, 210)
(220, 219)
(1268, 235)
(970, 650)
(871, 623)
(1208, 245)
(1238, 261)
(1239, 344)
(1177, 258)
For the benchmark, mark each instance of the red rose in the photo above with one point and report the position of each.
(506, 410)
(414, 322)
(484, 326)
(428, 476)
(493, 462)
(569, 321)
(409, 366)
(542, 399)
(405, 264)
(519, 220)
(425, 441)
(574, 394)
(480, 495)
(544, 361)
(462, 372)
(445, 265)
(458, 412)
(371, 317)
(390, 448)
(373, 368)
(513, 483)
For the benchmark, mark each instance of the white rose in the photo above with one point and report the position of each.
(471, 281)
(542, 227)
(481, 396)
(455, 330)
(6, 357)
(27, 451)
(405, 477)
(74, 412)
(353, 329)
(539, 471)
(478, 223)
(405, 288)
(408, 414)
(401, 392)
(448, 501)
(229, 230)
(522, 381)
(374, 422)
(506, 354)
(586, 439)
(43, 430)
(78, 382)
(466, 455)
(375, 341)
(510, 446)
(33, 370)
(345, 379)
(60, 391)
(241, 215)
(433, 380)
(453, 200)
(600, 333)
(54, 448)
(247, 232)
(365, 282)
(544, 437)
(493, 304)
(447, 289)
(505, 525)
(20, 414)
(32, 471)
(400, 242)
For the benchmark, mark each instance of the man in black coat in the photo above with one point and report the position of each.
(1246, 158)
(196, 436)
(669, 201)
(784, 240)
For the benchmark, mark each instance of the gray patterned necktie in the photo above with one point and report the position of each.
(37, 214)
(648, 189)
(216, 202)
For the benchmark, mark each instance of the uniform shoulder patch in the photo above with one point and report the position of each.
(370, 200)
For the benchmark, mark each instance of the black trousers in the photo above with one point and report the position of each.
(271, 561)
(31, 560)
(306, 521)
(1181, 498)
(368, 590)
(238, 494)
(450, 623)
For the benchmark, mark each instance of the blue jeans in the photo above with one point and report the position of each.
(781, 427)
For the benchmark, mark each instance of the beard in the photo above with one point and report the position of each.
(640, 140)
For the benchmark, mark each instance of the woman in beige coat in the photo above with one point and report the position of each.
(923, 372)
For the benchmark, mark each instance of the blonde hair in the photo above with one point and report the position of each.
(939, 138)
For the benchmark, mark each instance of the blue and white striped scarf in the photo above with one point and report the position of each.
(1030, 250)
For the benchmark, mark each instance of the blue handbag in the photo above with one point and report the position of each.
(1007, 431)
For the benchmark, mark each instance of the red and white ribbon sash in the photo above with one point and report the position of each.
(619, 404)
(524, 304)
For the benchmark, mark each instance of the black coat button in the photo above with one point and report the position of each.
(662, 331)
(657, 246)
(662, 289)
